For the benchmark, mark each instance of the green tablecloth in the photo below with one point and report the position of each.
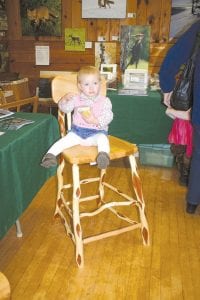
(21, 175)
(139, 119)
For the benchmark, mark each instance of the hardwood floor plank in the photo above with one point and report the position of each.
(41, 265)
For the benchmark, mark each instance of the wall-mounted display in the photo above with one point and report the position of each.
(105, 53)
(104, 9)
(135, 43)
(109, 71)
(40, 18)
(75, 39)
(183, 14)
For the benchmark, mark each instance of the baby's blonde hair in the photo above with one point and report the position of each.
(88, 70)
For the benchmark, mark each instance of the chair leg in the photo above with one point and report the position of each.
(60, 186)
(140, 200)
(101, 187)
(76, 216)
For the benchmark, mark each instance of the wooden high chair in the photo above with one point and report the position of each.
(69, 209)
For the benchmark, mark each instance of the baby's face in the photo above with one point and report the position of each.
(90, 85)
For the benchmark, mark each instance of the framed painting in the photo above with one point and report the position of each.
(109, 71)
(183, 14)
(40, 17)
(105, 53)
(74, 39)
(135, 44)
(115, 9)
(111, 68)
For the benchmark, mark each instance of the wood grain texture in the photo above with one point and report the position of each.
(22, 51)
(41, 264)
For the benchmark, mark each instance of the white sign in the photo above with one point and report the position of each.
(42, 55)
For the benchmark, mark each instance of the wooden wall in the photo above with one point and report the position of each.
(155, 13)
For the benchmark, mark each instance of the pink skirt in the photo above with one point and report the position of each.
(181, 134)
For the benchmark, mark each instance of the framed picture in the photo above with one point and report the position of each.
(109, 71)
(74, 39)
(105, 53)
(135, 79)
(111, 68)
(115, 9)
(39, 19)
(135, 44)
(183, 14)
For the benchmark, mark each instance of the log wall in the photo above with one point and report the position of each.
(155, 13)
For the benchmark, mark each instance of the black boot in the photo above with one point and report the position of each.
(185, 170)
(178, 151)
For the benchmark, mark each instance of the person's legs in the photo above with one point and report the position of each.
(101, 141)
(50, 158)
(103, 159)
(185, 170)
(193, 197)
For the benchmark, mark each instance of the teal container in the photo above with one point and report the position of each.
(156, 155)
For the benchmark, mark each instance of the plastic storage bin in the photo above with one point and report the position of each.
(156, 155)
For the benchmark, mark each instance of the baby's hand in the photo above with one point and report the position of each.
(89, 118)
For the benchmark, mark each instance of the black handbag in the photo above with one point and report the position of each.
(182, 96)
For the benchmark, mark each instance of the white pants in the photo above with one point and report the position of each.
(71, 139)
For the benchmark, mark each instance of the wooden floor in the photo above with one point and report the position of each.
(41, 265)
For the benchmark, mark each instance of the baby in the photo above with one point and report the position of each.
(92, 113)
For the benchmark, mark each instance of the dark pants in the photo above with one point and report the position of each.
(193, 196)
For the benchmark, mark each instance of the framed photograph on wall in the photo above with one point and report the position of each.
(104, 9)
(39, 19)
(183, 14)
(109, 70)
(135, 45)
(105, 53)
(74, 39)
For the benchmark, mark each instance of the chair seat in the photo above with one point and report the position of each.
(83, 154)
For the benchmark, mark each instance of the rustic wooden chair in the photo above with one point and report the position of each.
(69, 210)
(15, 95)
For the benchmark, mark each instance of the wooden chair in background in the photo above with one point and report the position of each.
(15, 95)
(43, 90)
(71, 211)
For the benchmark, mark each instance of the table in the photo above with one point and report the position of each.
(140, 119)
(21, 175)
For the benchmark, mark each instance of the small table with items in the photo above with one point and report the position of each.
(21, 175)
